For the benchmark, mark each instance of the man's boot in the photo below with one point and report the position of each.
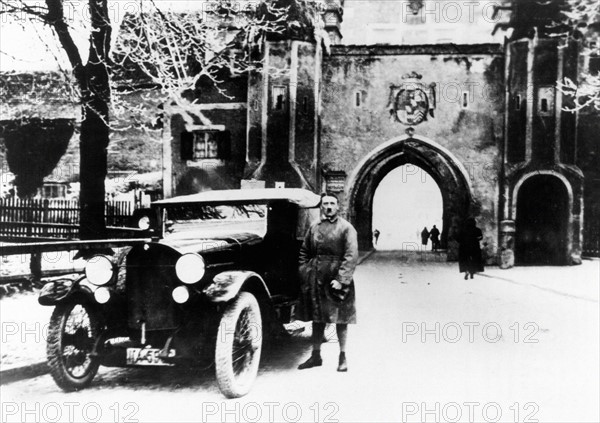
(314, 361)
(343, 365)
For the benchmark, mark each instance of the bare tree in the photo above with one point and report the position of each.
(176, 51)
(92, 78)
(172, 50)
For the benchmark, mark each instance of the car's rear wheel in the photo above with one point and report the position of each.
(71, 336)
(238, 346)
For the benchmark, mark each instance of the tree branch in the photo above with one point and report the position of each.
(56, 19)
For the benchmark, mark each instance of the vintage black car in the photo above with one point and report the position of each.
(217, 272)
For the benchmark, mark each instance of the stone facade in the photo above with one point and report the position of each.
(543, 191)
(479, 113)
(484, 119)
(457, 145)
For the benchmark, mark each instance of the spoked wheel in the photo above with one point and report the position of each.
(239, 343)
(71, 336)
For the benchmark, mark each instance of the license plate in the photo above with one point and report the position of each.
(147, 357)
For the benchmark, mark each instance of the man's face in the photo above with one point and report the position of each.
(329, 207)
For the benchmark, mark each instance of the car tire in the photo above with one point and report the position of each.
(75, 370)
(238, 346)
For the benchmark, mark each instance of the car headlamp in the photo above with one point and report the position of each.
(144, 222)
(102, 295)
(99, 270)
(180, 294)
(190, 268)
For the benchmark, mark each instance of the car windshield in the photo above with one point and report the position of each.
(200, 220)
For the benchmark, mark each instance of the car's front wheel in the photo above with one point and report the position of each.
(71, 336)
(238, 346)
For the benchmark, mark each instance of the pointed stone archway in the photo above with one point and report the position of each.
(445, 169)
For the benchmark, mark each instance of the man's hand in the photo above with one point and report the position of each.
(336, 285)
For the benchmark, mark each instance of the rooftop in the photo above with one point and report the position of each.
(299, 196)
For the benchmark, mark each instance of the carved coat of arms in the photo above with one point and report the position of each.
(411, 101)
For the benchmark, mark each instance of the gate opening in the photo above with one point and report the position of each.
(427, 160)
(406, 200)
(542, 221)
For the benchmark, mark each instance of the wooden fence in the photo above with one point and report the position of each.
(52, 219)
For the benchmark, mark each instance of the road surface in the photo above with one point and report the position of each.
(519, 345)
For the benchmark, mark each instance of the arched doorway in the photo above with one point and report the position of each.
(439, 163)
(542, 221)
(406, 200)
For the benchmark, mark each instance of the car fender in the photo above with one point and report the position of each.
(66, 289)
(226, 285)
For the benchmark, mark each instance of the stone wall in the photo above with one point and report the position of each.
(282, 134)
(227, 109)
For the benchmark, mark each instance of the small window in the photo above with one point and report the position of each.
(545, 103)
(53, 191)
(357, 99)
(205, 146)
(305, 105)
(518, 102)
(199, 145)
(465, 99)
(279, 97)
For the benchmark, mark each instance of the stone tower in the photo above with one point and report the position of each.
(283, 103)
(542, 186)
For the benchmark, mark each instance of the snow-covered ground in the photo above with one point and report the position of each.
(19, 264)
(24, 325)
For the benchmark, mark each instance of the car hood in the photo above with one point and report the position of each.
(208, 241)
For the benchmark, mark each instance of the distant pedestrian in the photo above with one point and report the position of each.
(424, 236)
(469, 251)
(434, 234)
(376, 234)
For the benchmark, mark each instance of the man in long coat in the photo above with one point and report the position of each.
(327, 261)
(424, 236)
(469, 250)
(434, 234)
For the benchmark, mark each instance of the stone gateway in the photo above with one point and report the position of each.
(483, 118)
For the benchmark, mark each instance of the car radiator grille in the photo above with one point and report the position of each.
(150, 280)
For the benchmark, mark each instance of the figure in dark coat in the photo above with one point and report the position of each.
(327, 261)
(469, 251)
(434, 234)
(424, 236)
(376, 234)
